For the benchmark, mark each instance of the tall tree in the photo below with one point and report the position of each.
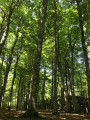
(84, 48)
(36, 67)
(55, 61)
(72, 46)
(11, 90)
(7, 69)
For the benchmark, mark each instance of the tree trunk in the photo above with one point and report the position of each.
(66, 76)
(72, 45)
(67, 94)
(3, 19)
(18, 94)
(31, 112)
(21, 93)
(1, 69)
(61, 75)
(43, 89)
(55, 111)
(28, 92)
(12, 6)
(84, 49)
(81, 86)
(11, 90)
(5, 33)
(72, 82)
(52, 89)
(7, 71)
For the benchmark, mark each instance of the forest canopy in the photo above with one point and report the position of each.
(45, 54)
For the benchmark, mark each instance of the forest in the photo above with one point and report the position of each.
(44, 59)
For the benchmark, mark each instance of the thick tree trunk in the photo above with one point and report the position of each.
(11, 90)
(28, 92)
(84, 49)
(67, 93)
(36, 66)
(31, 112)
(7, 71)
(55, 109)
(61, 75)
(72, 82)
(62, 93)
(24, 107)
(72, 45)
(21, 93)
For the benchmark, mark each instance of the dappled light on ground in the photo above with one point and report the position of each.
(45, 115)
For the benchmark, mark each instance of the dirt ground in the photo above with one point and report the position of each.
(45, 115)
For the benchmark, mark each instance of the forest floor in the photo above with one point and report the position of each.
(45, 115)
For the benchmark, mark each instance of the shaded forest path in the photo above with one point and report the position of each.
(45, 115)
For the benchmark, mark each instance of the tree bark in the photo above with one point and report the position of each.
(31, 112)
(11, 90)
(43, 89)
(52, 89)
(72, 45)
(1, 69)
(55, 111)
(84, 49)
(61, 75)
(18, 94)
(7, 70)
